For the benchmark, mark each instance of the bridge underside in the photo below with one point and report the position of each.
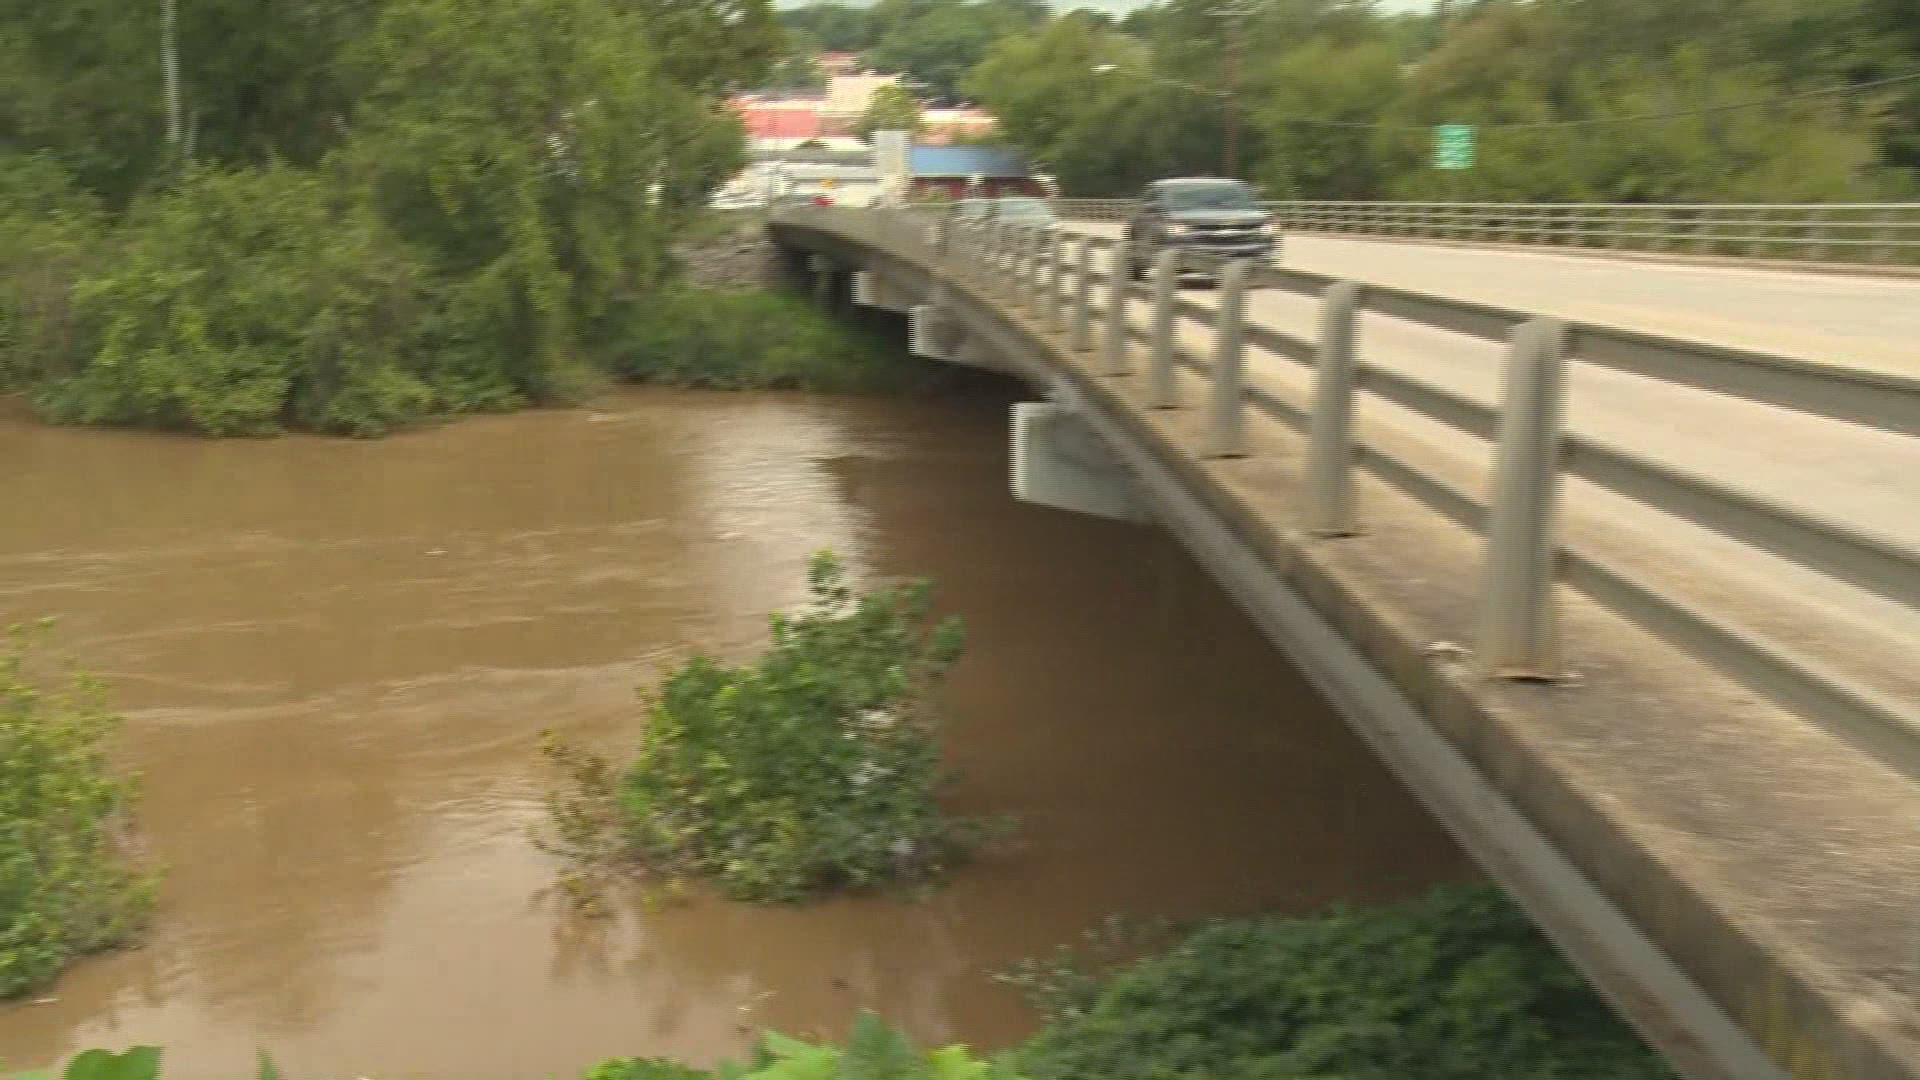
(1695, 851)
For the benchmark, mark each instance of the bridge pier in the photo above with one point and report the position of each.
(876, 291)
(823, 273)
(1058, 460)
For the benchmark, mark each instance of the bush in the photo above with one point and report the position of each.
(53, 236)
(1456, 986)
(67, 886)
(814, 768)
(748, 339)
(246, 302)
(874, 1052)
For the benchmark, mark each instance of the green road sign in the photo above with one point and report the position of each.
(1453, 146)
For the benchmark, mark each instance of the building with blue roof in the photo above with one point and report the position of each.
(957, 172)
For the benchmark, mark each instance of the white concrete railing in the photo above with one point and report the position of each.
(1032, 270)
(1865, 234)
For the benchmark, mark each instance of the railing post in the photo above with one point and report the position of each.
(1519, 633)
(1023, 275)
(1080, 338)
(1166, 287)
(1330, 499)
(1226, 427)
(996, 280)
(1036, 271)
(1053, 277)
(1119, 290)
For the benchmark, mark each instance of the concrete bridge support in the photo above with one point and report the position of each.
(1059, 461)
(877, 291)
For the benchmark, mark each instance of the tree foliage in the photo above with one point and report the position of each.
(67, 884)
(939, 41)
(892, 108)
(244, 302)
(1630, 100)
(837, 27)
(382, 209)
(533, 154)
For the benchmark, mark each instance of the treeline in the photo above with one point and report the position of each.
(936, 42)
(344, 214)
(1603, 100)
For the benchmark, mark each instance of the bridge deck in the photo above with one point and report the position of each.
(1853, 319)
(1833, 470)
(1746, 836)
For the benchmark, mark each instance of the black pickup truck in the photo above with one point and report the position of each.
(1207, 220)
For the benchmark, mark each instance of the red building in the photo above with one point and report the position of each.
(780, 118)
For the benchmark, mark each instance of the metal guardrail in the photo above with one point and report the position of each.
(1861, 234)
(1518, 637)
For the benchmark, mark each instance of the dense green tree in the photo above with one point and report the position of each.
(837, 27)
(1324, 80)
(1082, 98)
(245, 302)
(389, 207)
(708, 45)
(55, 235)
(939, 41)
(1573, 99)
(893, 108)
(796, 68)
(82, 79)
(535, 153)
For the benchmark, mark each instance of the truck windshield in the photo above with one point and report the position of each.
(1209, 195)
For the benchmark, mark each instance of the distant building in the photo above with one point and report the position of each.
(939, 127)
(837, 63)
(848, 97)
(778, 117)
(958, 172)
(844, 185)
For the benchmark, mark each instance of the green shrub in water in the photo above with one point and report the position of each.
(67, 886)
(1456, 986)
(816, 767)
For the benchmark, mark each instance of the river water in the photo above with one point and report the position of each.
(334, 658)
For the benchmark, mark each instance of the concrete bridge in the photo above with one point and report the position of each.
(1636, 612)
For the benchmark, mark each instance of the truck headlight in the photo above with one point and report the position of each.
(1177, 230)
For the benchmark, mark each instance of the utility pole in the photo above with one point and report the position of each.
(170, 70)
(1230, 152)
(1233, 24)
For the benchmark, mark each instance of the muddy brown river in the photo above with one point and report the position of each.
(334, 658)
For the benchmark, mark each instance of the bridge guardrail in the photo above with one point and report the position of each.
(1855, 234)
(1534, 453)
